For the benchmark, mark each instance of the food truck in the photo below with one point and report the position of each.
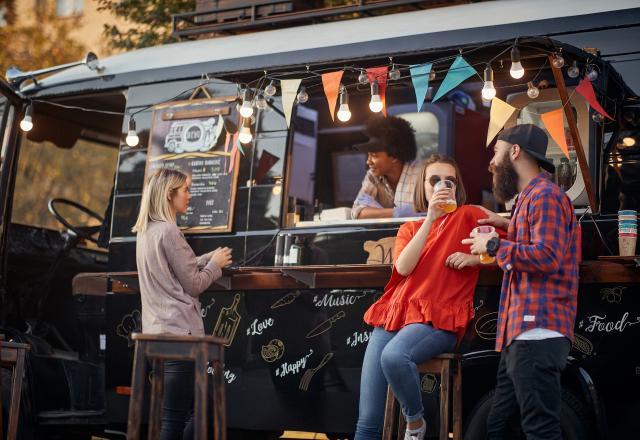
(284, 178)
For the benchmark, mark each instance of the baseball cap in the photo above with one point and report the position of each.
(373, 145)
(531, 139)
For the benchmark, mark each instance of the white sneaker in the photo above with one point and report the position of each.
(416, 434)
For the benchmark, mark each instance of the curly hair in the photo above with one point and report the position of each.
(397, 134)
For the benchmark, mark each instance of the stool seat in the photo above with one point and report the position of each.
(12, 355)
(159, 348)
(449, 367)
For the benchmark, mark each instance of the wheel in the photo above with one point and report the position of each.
(574, 420)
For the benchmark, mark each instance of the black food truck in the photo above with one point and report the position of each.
(284, 177)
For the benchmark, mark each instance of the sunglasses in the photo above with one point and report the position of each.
(435, 179)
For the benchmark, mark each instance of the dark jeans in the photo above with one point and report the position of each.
(177, 405)
(529, 379)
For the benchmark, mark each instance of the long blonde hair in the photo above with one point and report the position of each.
(420, 202)
(155, 204)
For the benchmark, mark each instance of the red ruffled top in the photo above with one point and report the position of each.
(433, 293)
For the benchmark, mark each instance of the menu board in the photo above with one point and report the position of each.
(198, 137)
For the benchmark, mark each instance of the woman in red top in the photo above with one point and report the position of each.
(426, 305)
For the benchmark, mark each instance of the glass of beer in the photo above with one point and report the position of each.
(450, 204)
(485, 230)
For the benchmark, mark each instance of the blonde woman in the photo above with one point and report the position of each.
(171, 279)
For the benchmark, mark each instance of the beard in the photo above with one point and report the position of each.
(505, 181)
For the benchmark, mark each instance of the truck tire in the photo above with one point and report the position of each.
(574, 420)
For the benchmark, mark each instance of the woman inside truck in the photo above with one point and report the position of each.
(387, 188)
(426, 304)
(171, 279)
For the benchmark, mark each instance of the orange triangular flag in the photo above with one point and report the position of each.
(554, 122)
(331, 84)
(499, 115)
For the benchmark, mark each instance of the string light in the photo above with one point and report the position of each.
(261, 102)
(532, 91)
(516, 71)
(573, 71)
(394, 73)
(245, 136)
(344, 114)
(132, 137)
(488, 90)
(597, 117)
(246, 110)
(432, 75)
(558, 61)
(303, 96)
(362, 78)
(592, 73)
(27, 123)
(270, 90)
(376, 103)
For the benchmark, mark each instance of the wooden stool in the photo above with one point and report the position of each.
(12, 355)
(160, 348)
(448, 367)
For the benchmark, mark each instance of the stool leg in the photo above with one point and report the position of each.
(389, 415)
(157, 392)
(457, 402)
(1, 411)
(137, 391)
(16, 393)
(201, 390)
(219, 409)
(445, 377)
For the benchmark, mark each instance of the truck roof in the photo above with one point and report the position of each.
(410, 32)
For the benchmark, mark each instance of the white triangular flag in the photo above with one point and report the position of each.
(289, 91)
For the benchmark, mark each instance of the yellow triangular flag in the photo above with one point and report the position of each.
(554, 122)
(289, 89)
(499, 115)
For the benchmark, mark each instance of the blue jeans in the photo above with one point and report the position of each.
(391, 357)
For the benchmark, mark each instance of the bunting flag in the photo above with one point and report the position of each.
(585, 88)
(331, 84)
(499, 115)
(420, 80)
(458, 72)
(554, 122)
(380, 74)
(234, 151)
(289, 91)
(226, 148)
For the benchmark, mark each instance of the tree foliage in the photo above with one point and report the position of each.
(41, 43)
(149, 20)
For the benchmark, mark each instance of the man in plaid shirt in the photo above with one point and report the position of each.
(387, 188)
(539, 293)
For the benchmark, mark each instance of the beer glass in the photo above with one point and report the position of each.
(450, 204)
(485, 230)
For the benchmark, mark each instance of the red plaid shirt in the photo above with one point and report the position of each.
(540, 261)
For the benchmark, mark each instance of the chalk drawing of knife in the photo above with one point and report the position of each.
(326, 325)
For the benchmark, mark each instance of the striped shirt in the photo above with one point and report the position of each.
(381, 191)
(540, 260)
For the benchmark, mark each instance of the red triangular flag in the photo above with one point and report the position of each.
(331, 84)
(380, 74)
(585, 88)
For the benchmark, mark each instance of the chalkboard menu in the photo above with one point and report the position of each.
(199, 137)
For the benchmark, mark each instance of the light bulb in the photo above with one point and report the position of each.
(303, 96)
(27, 123)
(432, 75)
(532, 91)
(573, 71)
(132, 137)
(592, 73)
(270, 90)
(344, 114)
(558, 61)
(376, 103)
(628, 141)
(246, 110)
(245, 135)
(597, 117)
(363, 78)
(261, 102)
(516, 71)
(488, 90)
(394, 73)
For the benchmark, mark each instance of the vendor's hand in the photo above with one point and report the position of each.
(493, 219)
(478, 242)
(404, 211)
(368, 201)
(460, 260)
(221, 257)
(437, 199)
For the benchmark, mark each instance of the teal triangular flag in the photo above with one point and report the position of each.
(458, 72)
(240, 147)
(420, 79)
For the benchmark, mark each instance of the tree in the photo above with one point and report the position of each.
(42, 43)
(150, 20)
